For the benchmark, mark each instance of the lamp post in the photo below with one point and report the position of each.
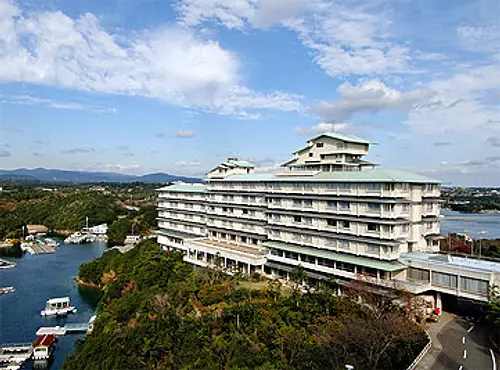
(482, 232)
(471, 244)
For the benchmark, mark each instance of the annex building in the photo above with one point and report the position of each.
(329, 210)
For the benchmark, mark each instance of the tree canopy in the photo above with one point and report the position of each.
(157, 312)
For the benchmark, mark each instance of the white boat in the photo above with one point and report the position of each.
(58, 307)
(80, 238)
(7, 289)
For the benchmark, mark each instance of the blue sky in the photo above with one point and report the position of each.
(139, 86)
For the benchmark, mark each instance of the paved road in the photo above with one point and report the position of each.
(465, 346)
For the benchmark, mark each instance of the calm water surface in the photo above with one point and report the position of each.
(471, 223)
(38, 278)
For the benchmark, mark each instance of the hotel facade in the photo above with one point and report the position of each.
(329, 210)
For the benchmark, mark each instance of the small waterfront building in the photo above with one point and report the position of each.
(328, 209)
(44, 347)
(37, 229)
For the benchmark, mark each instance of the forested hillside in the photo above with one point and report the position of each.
(157, 312)
(66, 208)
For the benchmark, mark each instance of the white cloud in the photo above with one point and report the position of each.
(484, 38)
(493, 141)
(322, 128)
(261, 161)
(369, 96)
(51, 103)
(182, 134)
(194, 163)
(346, 39)
(237, 14)
(4, 153)
(10, 128)
(79, 150)
(169, 63)
(460, 104)
(114, 167)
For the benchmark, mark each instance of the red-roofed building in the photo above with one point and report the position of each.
(44, 346)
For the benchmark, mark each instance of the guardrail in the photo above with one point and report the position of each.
(421, 354)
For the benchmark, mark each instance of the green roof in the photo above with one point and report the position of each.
(185, 188)
(373, 175)
(339, 136)
(341, 257)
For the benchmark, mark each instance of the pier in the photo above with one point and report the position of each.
(40, 249)
(70, 328)
(15, 353)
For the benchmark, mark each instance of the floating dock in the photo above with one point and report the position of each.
(63, 330)
(15, 354)
(41, 249)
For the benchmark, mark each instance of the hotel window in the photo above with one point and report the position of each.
(311, 154)
(243, 239)
(373, 249)
(308, 203)
(326, 262)
(373, 227)
(405, 207)
(442, 279)
(331, 186)
(345, 186)
(255, 241)
(276, 252)
(345, 266)
(474, 285)
(430, 206)
(245, 211)
(233, 237)
(345, 224)
(297, 203)
(418, 274)
(292, 255)
(373, 187)
(404, 228)
(297, 219)
(319, 145)
(331, 223)
(374, 207)
(297, 186)
(331, 204)
(430, 187)
(344, 205)
(344, 244)
(307, 238)
(307, 258)
(405, 186)
(388, 187)
(277, 217)
(428, 225)
(307, 220)
(277, 202)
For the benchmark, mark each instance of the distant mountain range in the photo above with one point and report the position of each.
(54, 175)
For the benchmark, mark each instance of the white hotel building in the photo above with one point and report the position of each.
(328, 210)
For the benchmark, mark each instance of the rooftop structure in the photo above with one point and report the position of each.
(329, 210)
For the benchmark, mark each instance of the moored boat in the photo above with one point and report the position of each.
(58, 307)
